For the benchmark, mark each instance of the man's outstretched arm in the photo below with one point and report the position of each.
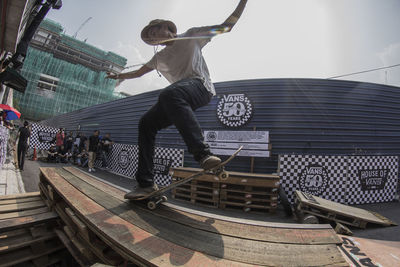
(234, 17)
(130, 75)
(226, 26)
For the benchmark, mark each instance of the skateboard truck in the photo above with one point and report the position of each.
(152, 204)
(221, 174)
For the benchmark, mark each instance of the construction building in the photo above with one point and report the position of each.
(65, 74)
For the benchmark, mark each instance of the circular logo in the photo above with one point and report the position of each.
(123, 158)
(211, 136)
(234, 110)
(313, 179)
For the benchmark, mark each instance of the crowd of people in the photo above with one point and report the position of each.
(80, 150)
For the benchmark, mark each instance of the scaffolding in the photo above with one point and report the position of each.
(65, 74)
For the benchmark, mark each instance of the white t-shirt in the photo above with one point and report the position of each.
(183, 59)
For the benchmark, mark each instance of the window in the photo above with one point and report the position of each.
(47, 85)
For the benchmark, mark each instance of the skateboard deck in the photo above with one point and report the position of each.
(157, 197)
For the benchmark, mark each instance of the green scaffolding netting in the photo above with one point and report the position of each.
(75, 87)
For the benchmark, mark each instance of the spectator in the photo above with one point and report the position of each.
(106, 144)
(75, 153)
(23, 142)
(68, 154)
(82, 142)
(62, 154)
(3, 116)
(82, 158)
(77, 139)
(60, 138)
(93, 147)
(52, 154)
(68, 141)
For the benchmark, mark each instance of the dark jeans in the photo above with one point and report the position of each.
(21, 151)
(175, 106)
(104, 158)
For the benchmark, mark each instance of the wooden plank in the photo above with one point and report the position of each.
(84, 250)
(23, 255)
(17, 242)
(19, 200)
(273, 232)
(186, 171)
(54, 197)
(10, 215)
(45, 195)
(336, 209)
(22, 206)
(12, 233)
(72, 250)
(99, 248)
(19, 196)
(249, 250)
(27, 221)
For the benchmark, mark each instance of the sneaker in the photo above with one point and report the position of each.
(209, 161)
(141, 192)
(90, 170)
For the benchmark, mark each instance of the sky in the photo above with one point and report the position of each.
(272, 39)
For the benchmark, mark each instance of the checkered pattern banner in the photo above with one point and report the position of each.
(42, 136)
(372, 179)
(123, 160)
(343, 179)
(323, 176)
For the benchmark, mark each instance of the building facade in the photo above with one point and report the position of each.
(65, 74)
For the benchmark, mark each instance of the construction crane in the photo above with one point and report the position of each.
(80, 27)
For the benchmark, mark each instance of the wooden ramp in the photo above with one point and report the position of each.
(330, 210)
(104, 228)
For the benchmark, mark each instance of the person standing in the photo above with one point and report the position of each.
(60, 138)
(93, 147)
(68, 141)
(181, 62)
(82, 142)
(23, 140)
(106, 144)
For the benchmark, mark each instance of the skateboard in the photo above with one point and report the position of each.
(157, 197)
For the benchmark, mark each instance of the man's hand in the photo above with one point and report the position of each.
(112, 76)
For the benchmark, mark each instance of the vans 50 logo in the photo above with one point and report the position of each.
(234, 110)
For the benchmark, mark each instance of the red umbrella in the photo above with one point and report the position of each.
(12, 113)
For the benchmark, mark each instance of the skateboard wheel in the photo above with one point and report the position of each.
(164, 198)
(223, 175)
(151, 205)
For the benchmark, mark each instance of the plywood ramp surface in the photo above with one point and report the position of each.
(167, 236)
(341, 209)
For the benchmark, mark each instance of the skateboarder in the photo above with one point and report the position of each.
(182, 64)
